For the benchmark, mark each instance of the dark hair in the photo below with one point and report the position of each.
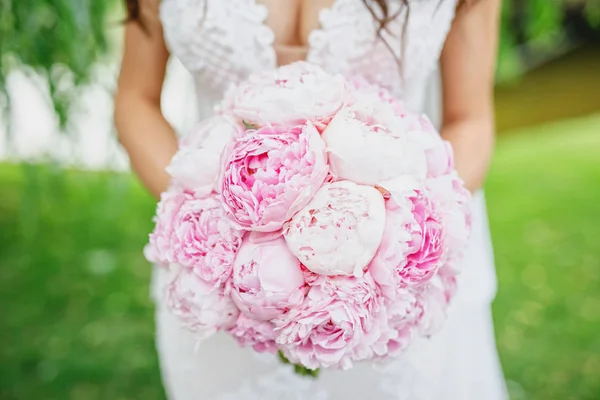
(383, 17)
(386, 17)
(133, 10)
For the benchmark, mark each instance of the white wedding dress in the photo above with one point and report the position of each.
(220, 41)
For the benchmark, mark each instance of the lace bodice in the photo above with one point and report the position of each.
(223, 41)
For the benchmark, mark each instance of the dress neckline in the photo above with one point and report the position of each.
(308, 49)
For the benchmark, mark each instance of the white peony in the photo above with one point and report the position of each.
(291, 95)
(369, 144)
(200, 306)
(339, 231)
(195, 167)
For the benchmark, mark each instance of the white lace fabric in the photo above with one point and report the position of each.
(221, 42)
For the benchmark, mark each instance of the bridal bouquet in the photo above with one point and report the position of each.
(312, 217)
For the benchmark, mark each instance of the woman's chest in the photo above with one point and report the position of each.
(292, 21)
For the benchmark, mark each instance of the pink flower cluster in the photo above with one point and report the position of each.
(313, 216)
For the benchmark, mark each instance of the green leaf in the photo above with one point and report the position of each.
(282, 358)
(249, 126)
(299, 369)
(303, 371)
(59, 40)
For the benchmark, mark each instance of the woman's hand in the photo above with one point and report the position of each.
(142, 130)
(468, 67)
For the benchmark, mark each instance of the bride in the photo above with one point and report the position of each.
(397, 44)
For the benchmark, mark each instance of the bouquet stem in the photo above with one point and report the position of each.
(300, 369)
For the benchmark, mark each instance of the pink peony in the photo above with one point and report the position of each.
(201, 307)
(432, 307)
(392, 255)
(195, 167)
(159, 249)
(259, 335)
(453, 202)
(448, 274)
(339, 231)
(270, 174)
(368, 143)
(160, 239)
(439, 152)
(195, 233)
(289, 96)
(440, 158)
(363, 91)
(267, 279)
(426, 249)
(309, 277)
(342, 320)
(412, 249)
(402, 312)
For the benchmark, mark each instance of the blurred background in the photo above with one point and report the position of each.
(76, 321)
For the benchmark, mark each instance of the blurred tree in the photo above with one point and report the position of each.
(61, 40)
(534, 30)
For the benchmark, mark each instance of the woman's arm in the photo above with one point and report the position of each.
(468, 66)
(142, 129)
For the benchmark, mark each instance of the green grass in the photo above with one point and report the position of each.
(76, 319)
(544, 203)
(76, 316)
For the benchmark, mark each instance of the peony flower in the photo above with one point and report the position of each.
(195, 233)
(267, 279)
(195, 167)
(159, 248)
(453, 202)
(339, 231)
(214, 133)
(291, 95)
(392, 254)
(309, 277)
(205, 240)
(201, 307)
(151, 254)
(368, 143)
(439, 152)
(342, 320)
(363, 91)
(270, 174)
(412, 249)
(259, 335)
(448, 275)
(427, 248)
(432, 305)
(401, 312)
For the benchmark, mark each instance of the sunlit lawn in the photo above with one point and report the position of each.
(544, 202)
(76, 319)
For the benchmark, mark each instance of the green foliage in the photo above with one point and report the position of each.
(533, 31)
(544, 17)
(592, 12)
(299, 369)
(74, 287)
(60, 40)
(509, 63)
